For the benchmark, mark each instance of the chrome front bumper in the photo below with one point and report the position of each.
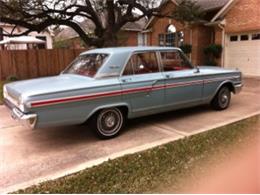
(238, 88)
(28, 120)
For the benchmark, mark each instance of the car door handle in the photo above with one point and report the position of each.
(168, 76)
(197, 71)
(126, 80)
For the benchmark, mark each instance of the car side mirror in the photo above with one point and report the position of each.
(197, 69)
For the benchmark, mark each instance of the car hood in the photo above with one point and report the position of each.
(48, 85)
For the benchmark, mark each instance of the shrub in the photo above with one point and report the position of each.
(11, 78)
(186, 48)
(214, 50)
(61, 44)
(212, 53)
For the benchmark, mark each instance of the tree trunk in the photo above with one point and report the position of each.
(110, 39)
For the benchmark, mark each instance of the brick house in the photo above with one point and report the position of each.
(234, 24)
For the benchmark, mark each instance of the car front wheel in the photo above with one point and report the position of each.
(108, 123)
(222, 100)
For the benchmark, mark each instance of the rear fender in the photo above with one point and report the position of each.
(109, 106)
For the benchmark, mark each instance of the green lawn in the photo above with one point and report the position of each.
(145, 171)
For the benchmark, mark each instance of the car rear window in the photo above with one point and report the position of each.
(87, 65)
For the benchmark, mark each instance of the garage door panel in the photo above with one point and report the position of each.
(244, 55)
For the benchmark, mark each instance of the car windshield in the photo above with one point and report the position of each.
(87, 65)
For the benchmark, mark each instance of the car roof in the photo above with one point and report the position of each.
(128, 49)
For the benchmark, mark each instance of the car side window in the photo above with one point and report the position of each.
(142, 63)
(129, 69)
(174, 61)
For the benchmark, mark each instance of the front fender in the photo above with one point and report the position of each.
(227, 82)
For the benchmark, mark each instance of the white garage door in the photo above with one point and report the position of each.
(243, 52)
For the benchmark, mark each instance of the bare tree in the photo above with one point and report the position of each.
(108, 16)
(188, 12)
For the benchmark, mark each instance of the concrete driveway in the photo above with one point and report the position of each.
(27, 157)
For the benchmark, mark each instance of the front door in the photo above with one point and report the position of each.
(143, 83)
(183, 83)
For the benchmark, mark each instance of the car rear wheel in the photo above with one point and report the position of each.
(108, 123)
(222, 100)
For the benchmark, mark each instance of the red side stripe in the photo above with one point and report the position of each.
(119, 92)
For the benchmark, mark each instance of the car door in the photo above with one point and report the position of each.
(143, 83)
(183, 82)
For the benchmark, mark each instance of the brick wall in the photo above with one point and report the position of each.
(198, 36)
(201, 38)
(128, 38)
(159, 25)
(218, 36)
(219, 40)
(244, 16)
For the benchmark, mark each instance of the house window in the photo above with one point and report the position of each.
(171, 37)
(244, 37)
(161, 40)
(142, 39)
(234, 38)
(256, 36)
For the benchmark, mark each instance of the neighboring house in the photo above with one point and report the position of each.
(45, 36)
(68, 38)
(134, 33)
(131, 35)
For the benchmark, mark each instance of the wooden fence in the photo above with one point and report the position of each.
(26, 64)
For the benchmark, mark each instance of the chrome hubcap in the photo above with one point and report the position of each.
(224, 98)
(110, 121)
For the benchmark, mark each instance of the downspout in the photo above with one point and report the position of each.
(222, 27)
(190, 43)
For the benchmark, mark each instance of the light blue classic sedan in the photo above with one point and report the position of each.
(108, 86)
